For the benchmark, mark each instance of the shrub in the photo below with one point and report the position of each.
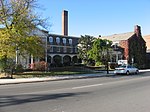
(39, 66)
(18, 68)
(6, 65)
(98, 63)
(113, 65)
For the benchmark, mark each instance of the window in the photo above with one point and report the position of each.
(58, 49)
(51, 39)
(64, 40)
(58, 40)
(76, 50)
(70, 41)
(71, 50)
(65, 49)
(51, 49)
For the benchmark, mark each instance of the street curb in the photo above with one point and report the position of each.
(57, 78)
(34, 80)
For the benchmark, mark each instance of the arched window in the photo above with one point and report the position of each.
(70, 41)
(58, 40)
(64, 40)
(51, 39)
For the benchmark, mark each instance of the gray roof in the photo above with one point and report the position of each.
(118, 37)
(62, 35)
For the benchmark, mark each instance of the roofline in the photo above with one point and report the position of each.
(62, 35)
(117, 34)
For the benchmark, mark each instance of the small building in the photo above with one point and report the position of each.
(133, 44)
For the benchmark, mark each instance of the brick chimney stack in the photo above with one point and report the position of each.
(137, 30)
(65, 22)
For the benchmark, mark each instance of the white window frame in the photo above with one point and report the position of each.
(64, 41)
(57, 40)
(51, 39)
(70, 41)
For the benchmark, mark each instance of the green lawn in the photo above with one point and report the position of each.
(45, 74)
(55, 72)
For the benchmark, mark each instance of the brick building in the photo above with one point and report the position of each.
(134, 46)
(61, 49)
(147, 39)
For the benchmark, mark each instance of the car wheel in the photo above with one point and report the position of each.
(137, 72)
(127, 72)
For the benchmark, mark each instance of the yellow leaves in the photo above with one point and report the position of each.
(5, 44)
(34, 45)
(4, 36)
(18, 25)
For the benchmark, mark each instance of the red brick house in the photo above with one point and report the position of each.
(147, 39)
(133, 44)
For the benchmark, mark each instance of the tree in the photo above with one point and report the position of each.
(17, 22)
(85, 44)
(99, 50)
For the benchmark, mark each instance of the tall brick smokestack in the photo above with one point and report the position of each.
(137, 30)
(65, 22)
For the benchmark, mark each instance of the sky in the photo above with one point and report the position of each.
(97, 17)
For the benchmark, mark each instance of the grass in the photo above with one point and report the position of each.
(45, 74)
(55, 72)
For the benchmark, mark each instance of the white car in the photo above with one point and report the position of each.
(126, 69)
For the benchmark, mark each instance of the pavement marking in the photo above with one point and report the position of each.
(80, 87)
(94, 85)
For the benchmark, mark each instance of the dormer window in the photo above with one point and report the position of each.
(51, 39)
(70, 41)
(64, 40)
(58, 40)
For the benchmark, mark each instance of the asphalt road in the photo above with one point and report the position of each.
(103, 94)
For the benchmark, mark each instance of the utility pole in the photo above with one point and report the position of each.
(107, 58)
(46, 54)
(17, 52)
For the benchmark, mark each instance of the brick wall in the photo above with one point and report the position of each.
(124, 45)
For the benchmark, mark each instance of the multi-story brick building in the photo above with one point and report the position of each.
(134, 46)
(61, 49)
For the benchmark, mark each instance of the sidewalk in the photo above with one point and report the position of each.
(52, 78)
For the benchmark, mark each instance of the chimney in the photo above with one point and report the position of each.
(137, 30)
(65, 22)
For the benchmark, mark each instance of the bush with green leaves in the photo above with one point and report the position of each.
(39, 66)
(19, 68)
(6, 65)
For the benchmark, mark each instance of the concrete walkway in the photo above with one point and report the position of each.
(54, 78)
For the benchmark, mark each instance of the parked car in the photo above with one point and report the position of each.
(126, 69)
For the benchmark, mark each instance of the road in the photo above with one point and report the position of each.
(103, 94)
